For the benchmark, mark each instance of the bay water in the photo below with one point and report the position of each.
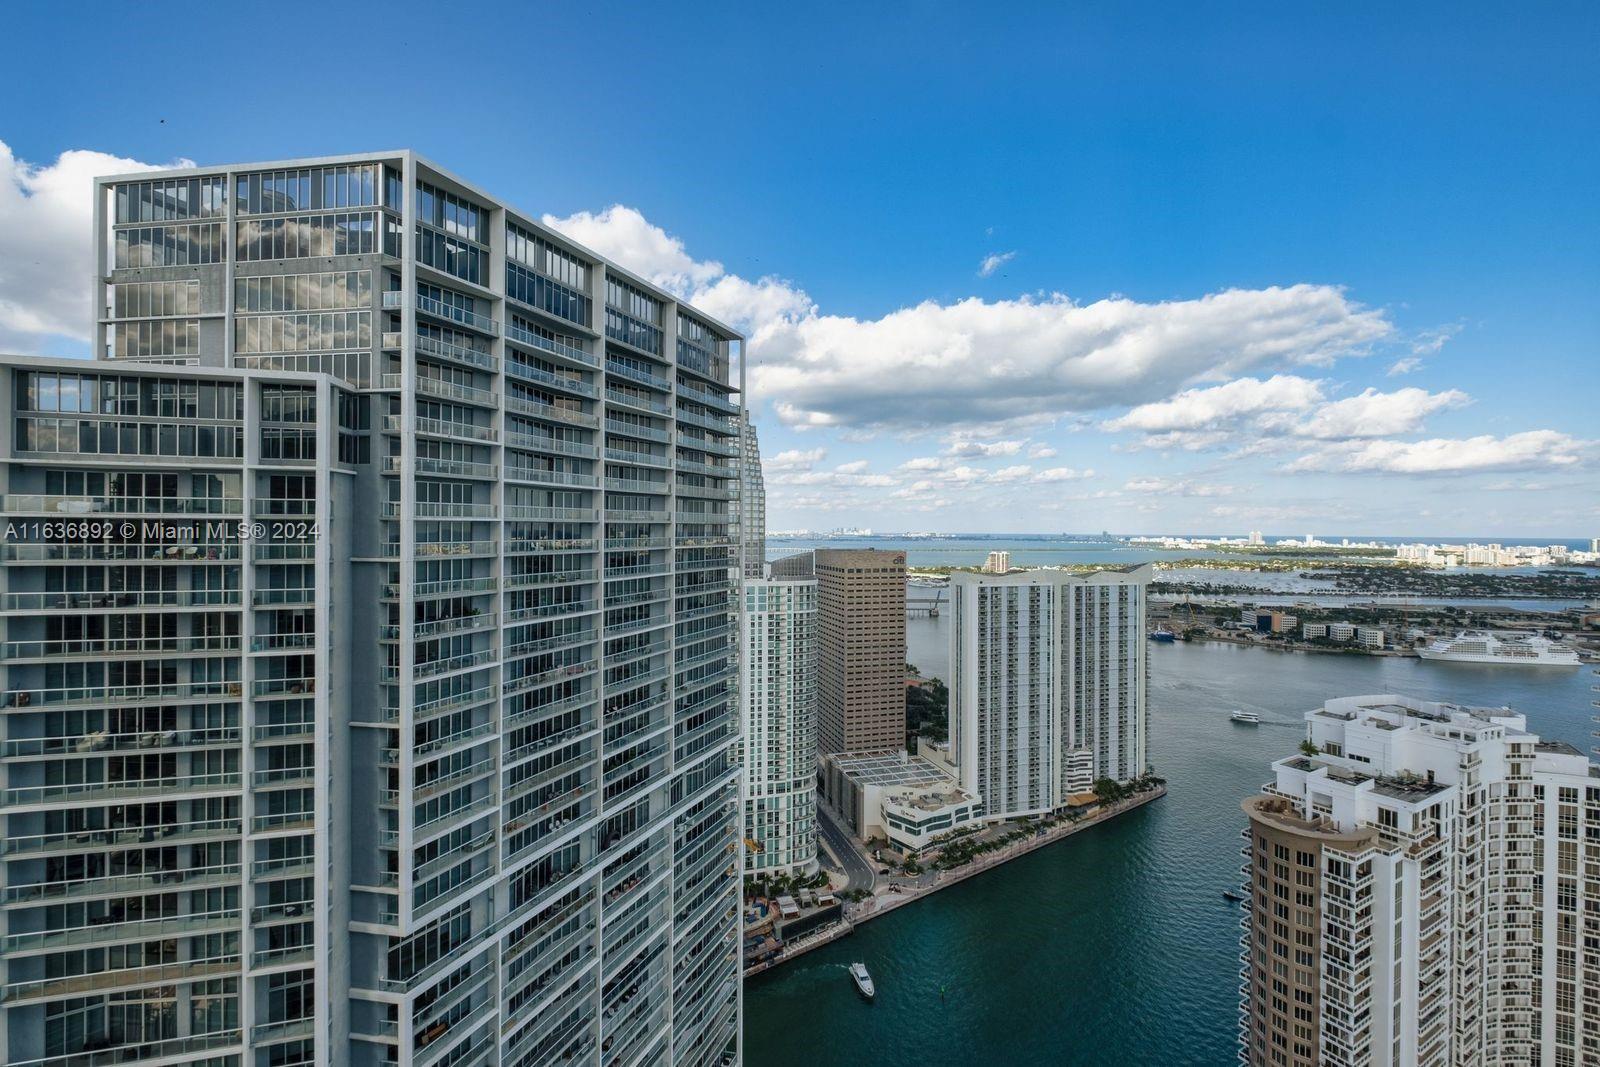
(1113, 946)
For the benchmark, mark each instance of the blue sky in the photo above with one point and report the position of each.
(1307, 271)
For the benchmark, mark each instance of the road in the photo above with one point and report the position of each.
(857, 867)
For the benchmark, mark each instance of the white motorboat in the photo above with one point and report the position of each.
(863, 980)
(1249, 718)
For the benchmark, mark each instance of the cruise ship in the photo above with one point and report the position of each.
(1515, 649)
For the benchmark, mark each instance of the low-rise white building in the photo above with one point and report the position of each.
(1341, 631)
(906, 800)
(1312, 630)
(1370, 636)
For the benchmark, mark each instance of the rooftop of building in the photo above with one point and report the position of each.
(929, 800)
(1281, 814)
(1403, 785)
(439, 176)
(887, 768)
(1393, 712)
(1132, 574)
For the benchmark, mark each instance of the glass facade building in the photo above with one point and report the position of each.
(751, 501)
(433, 763)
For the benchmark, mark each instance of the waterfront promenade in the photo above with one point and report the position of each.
(890, 896)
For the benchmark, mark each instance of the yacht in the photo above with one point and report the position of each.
(1232, 895)
(1249, 718)
(1162, 635)
(863, 980)
(1515, 649)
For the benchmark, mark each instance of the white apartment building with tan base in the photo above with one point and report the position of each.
(1425, 890)
(778, 697)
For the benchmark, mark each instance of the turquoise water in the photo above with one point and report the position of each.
(1114, 946)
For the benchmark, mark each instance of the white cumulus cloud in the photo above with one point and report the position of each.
(968, 448)
(1532, 450)
(46, 244)
(1248, 412)
(1198, 409)
(1375, 414)
(622, 234)
(976, 362)
(1062, 474)
(1177, 487)
(794, 459)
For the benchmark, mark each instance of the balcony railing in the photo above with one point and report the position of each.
(528, 372)
(472, 357)
(518, 335)
(30, 504)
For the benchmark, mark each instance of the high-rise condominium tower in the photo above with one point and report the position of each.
(778, 655)
(433, 764)
(1047, 689)
(1422, 892)
(751, 500)
(861, 676)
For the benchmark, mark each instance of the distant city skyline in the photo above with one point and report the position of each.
(1172, 273)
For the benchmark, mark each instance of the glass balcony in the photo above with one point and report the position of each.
(518, 335)
(529, 372)
(30, 504)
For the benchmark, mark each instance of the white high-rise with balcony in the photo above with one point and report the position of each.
(1424, 890)
(1047, 689)
(435, 768)
(778, 656)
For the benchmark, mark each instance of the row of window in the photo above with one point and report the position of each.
(157, 337)
(288, 403)
(451, 213)
(326, 331)
(110, 394)
(143, 300)
(451, 255)
(304, 292)
(169, 200)
(628, 330)
(344, 234)
(549, 296)
(546, 258)
(632, 301)
(91, 437)
(307, 188)
(354, 367)
(169, 246)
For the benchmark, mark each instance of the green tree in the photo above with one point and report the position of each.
(1109, 791)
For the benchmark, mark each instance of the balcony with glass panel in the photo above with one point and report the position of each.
(438, 348)
(618, 428)
(394, 300)
(715, 423)
(78, 506)
(717, 401)
(637, 457)
(548, 346)
(431, 427)
(539, 409)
